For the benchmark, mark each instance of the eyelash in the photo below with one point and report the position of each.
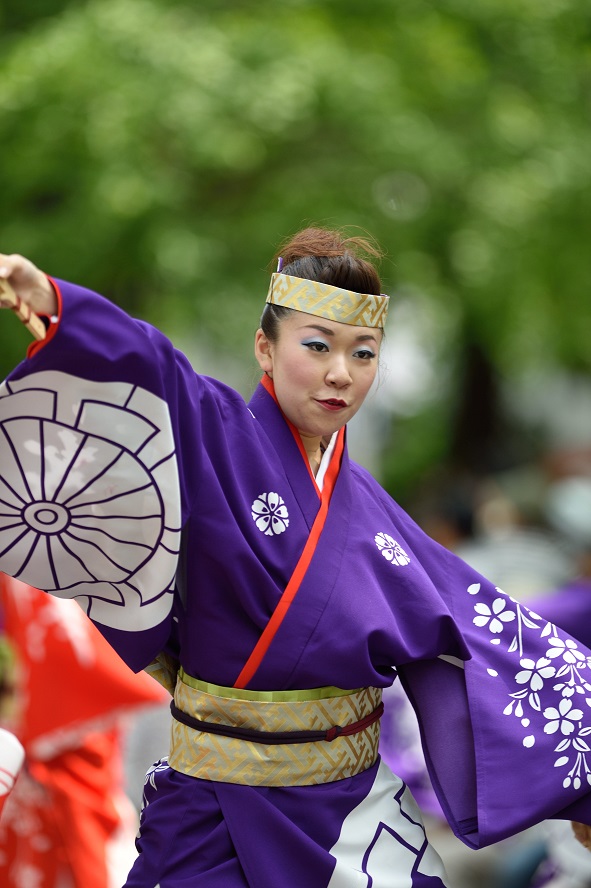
(365, 354)
(313, 345)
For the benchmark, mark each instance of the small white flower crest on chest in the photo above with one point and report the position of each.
(270, 514)
(391, 550)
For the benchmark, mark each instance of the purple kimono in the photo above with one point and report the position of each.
(175, 514)
(568, 607)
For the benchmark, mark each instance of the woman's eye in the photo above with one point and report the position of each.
(316, 346)
(366, 354)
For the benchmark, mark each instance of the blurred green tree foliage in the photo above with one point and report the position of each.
(157, 150)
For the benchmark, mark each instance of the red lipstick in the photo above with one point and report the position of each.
(333, 403)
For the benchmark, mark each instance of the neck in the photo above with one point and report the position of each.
(314, 450)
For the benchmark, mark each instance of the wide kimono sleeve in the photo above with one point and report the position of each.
(506, 733)
(92, 483)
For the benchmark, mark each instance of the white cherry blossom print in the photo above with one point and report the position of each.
(550, 690)
(534, 675)
(89, 495)
(578, 748)
(566, 649)
(494, 616)
(391, 550)
(270, 514)
(563, 718)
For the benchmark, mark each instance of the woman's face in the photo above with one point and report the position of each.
(321, 370)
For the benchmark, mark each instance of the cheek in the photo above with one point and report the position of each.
(368, 378)
(297, 370)
(289, 383)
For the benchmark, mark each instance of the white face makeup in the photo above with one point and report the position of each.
(321, 370)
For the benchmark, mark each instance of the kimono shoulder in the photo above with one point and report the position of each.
(101, 453)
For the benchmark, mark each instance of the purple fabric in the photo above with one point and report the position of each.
(569, 607)
(199, 833)
(401, 750)
(496, 718)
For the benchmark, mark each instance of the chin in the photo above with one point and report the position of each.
(315, 431)
(328, 433)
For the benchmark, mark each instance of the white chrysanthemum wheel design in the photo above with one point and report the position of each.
(391, 550)
(270, 514)
(89, 498)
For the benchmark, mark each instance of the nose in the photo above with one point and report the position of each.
(338, 374)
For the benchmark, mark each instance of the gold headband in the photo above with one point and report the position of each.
(329, 302)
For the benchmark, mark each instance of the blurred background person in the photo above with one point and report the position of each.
(12, 756)
(69, 822)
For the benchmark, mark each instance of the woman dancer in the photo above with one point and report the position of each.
(276, 589)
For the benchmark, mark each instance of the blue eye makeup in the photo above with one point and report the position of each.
(315, 344)
(365, 353)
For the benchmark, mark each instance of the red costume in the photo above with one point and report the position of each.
(68, 816)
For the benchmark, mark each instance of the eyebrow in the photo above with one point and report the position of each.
(363, 337)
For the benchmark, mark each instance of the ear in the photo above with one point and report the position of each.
(263, 352)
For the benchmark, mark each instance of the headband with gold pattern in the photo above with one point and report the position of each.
(326, 301)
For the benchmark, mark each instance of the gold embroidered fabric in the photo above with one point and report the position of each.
(230, 760)
(326, 301)
(164, 669)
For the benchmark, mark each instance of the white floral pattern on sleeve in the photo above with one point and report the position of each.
(560, 678)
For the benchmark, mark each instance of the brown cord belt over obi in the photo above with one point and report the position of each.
(282, 738)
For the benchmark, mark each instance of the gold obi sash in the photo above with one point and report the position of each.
(232, 759)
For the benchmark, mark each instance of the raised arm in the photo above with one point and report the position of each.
(29, 284)
(90, 462)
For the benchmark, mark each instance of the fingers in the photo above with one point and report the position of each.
(20, 272)
(582, 833)
(8, 264)
(29, 283)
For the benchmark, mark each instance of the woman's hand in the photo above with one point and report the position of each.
(582, 833)
(29, 283)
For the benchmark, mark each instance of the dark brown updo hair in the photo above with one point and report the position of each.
(330, 257)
